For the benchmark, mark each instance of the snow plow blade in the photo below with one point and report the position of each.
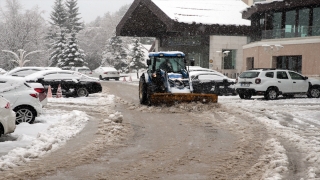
(170, 98)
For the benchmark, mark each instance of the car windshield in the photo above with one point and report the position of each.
(249, 74)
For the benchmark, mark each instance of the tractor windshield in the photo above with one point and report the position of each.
(170, 64)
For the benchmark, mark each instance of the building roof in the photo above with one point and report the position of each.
(222, 12)
(155, 18)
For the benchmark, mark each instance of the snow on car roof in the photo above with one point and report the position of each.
(35, 76)
(30, 67)
(222, 12)
(8, 83)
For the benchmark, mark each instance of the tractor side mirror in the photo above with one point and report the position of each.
(148, 62)
(191, 62)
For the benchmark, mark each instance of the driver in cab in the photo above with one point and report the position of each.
(166, 66)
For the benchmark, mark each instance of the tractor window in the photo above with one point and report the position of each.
(170, 64)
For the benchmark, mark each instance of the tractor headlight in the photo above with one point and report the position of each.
(154, 75)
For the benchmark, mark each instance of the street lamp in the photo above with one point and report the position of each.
(271, 49)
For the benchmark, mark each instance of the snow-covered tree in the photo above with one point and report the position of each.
(57, 33)
(138, 57)
(72, 54)
(73, 23)
(21, 57)
(116, 54)
(58, 47)
(21, 29)
(59, 14)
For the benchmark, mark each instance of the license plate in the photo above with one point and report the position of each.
(245, 85)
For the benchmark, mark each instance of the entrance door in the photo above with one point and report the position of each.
(250, 63)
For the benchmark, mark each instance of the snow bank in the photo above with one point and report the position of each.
(58, 127)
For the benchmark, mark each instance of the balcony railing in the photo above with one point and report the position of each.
(303, 31)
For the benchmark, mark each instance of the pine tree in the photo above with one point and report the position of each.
(138, 57)
(73, 23)
(56, 57)
(115, 54)
(72, 54)
(57, 33)
(59, 14)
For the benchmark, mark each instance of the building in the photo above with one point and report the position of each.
(287, 35)
(251, 2)
(212, 32)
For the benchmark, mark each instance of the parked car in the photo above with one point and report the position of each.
(24, 71)
(2, 71)
(106, 73)
(212, 82)
(274, 82)
(7, 117)
(84, 70)
(73, 84)
(23, 99)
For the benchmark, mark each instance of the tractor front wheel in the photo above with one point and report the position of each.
(143, 92)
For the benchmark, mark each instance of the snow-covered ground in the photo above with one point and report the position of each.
(50, 131)
(296, 121)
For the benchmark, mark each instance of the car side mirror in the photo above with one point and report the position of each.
(306, 77)
(148, 62)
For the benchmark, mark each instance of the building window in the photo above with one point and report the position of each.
(276, 24)
(316, 22)
(290, 62)
(290, 24)
(303, 22)
(229, 60)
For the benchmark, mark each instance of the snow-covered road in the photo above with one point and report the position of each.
(291, 149)
(292, 123)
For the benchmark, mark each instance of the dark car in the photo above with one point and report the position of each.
(212, 83)
(73, 84)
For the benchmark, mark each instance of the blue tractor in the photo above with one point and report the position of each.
(167, 81)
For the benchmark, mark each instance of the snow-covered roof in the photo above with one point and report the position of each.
(222, 12)
(261, 2)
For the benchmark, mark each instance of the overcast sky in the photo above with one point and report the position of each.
(89, 9)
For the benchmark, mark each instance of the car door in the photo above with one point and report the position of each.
(299, 83)
(284, 83)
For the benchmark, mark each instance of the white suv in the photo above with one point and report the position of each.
(274, 82)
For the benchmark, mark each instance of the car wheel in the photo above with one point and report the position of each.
(1, 130)
(100, 77)
(271, 94)
(245, 95)
(82, 92)
(24, 114)
(314, 93)
(143, 93)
